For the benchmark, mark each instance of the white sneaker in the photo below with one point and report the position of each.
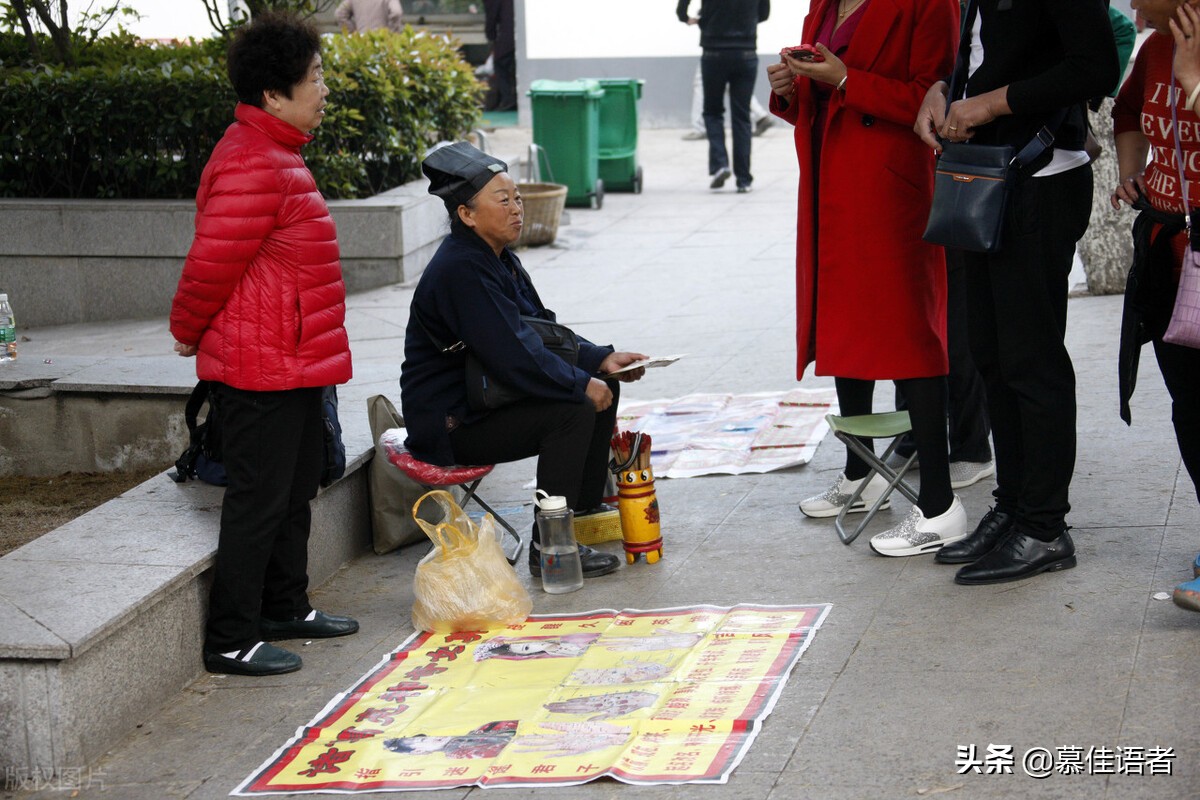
(917, 535)
(829, 503)
(896, 461)
(965, 473)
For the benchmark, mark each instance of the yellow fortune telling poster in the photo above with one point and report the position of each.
(672, 695)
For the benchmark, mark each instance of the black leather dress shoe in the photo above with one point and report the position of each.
(1019, 556)
(322, 626)
(594, 562)
(988, 533)
(266, 660)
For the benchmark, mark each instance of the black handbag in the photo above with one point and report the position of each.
(484, 392)
(970, 195)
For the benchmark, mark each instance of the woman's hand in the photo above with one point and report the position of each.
(932, 115)
(185, 350)
(782, 80)
(1128, 190)
(599, 393)
(830, 71)
(614, 361)
(1185, 28)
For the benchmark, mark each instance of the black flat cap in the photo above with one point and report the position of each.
(458, 171)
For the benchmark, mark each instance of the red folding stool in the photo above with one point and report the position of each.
(431, 476)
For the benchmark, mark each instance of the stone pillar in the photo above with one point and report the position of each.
(1107, 248)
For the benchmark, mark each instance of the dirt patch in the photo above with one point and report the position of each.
(33, 506)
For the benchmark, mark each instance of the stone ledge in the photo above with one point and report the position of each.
(70, 261)
(104, 617)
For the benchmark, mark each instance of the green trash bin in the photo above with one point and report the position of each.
(619, 169)
(566, 126)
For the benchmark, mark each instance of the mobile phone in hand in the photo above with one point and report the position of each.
(804, 52)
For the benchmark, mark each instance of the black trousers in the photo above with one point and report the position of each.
(273, 453)
(571, 441)
(1180, 368)
(738, 70)
(1017, 301)
(966, 407)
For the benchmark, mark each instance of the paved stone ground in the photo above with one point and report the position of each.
(908, 666)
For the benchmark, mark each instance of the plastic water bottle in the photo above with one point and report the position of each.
(8, 331)
(561, 570)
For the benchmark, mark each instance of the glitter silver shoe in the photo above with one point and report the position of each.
(829, 503)
(916, 535)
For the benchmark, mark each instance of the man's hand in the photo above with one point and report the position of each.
(185, 350)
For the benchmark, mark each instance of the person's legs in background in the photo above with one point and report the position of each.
(743, 72)
(715, 77)
(760, 118)
(966, 409)
(966, 406)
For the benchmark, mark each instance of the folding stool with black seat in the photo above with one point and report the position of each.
(852, 431)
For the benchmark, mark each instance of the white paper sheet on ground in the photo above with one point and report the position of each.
(714, 434)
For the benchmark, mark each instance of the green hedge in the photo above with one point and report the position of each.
(139, 121)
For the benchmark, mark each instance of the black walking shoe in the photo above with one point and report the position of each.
(261, 659)
(1020, 556)
(321, 626)
(986, 536)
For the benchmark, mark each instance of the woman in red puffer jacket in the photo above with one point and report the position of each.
(261, 304)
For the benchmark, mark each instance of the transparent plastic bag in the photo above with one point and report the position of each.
(464, 583)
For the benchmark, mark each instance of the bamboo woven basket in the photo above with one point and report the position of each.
(543, 208)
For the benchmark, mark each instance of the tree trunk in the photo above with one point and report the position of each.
(1107, 248)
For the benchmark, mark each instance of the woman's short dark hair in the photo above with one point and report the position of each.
(272, 53)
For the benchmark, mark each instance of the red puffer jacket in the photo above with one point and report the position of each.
(261, 293)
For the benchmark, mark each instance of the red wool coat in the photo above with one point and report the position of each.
(261, 292)
(870, 293)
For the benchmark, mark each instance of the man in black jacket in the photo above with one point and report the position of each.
(729, 38)
(1021, 64)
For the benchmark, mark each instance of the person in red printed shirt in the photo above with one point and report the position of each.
(1156, 116)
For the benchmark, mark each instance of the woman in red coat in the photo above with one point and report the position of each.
(870, 293)
(261, 304)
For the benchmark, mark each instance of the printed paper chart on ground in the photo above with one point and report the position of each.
(672, 695)
(731, 434)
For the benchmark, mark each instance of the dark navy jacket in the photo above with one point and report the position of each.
(469, 294)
